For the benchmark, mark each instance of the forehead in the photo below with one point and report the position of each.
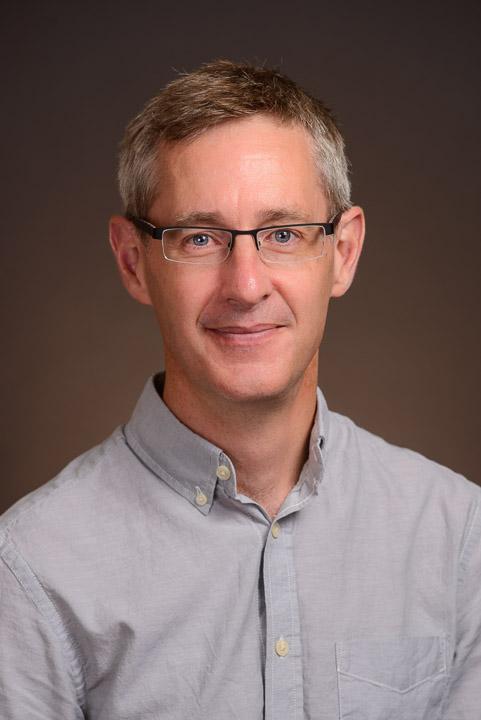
(239, 164)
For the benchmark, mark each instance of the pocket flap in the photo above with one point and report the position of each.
(397, 663)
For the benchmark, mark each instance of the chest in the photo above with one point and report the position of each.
(266, 621)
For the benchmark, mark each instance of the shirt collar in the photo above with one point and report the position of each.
(187, 462)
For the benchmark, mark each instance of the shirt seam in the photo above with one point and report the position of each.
(38, 596)
(465, 551)
(272, 628)
(64, 482)
(463, 563)
(296, 505)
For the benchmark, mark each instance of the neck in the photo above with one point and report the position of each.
(267, 439)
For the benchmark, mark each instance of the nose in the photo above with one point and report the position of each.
(245, 279)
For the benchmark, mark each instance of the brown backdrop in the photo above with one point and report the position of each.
(401, 353)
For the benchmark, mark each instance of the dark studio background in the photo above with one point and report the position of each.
(401, 352)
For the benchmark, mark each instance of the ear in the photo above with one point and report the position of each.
(349, 241)
(130, 255)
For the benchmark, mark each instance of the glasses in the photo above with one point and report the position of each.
(211, 246)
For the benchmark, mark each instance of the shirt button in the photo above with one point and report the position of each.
(275, 530)
(200, 498)
(282, 647)
(223, 472)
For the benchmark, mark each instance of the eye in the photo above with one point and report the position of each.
(283, 236)
(199, 240)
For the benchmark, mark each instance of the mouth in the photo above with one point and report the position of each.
(244, 335)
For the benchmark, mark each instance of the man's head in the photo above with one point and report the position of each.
(234, 146)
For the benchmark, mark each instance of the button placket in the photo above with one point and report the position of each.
(283, 672)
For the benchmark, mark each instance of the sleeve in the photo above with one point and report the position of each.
(34, 678)
(464, 697)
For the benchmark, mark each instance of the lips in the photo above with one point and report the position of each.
(247, 337)
(244, 330)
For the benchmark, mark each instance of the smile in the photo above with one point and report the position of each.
(241, 335)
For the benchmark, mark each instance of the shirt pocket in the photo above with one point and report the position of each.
(401, 678)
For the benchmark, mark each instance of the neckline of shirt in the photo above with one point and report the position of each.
(189, 463)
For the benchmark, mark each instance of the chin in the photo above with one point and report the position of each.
(250, 385)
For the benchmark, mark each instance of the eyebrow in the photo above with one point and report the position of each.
(198, 218)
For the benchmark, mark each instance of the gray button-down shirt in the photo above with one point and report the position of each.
(140, 584)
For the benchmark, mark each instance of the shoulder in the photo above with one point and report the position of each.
(71, 498)
(396, 468)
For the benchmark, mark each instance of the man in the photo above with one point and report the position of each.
(238, 550)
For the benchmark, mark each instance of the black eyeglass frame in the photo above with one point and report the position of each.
(157, 232)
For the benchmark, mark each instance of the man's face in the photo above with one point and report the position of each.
(243, 329)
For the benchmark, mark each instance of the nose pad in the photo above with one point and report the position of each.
(245, 281)
(235, 235)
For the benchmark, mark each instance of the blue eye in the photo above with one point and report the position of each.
(200, 240)
(282, 236)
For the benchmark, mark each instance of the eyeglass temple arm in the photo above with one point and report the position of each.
(142, 224)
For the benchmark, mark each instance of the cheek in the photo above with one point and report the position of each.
(308, 295)
(178, 303)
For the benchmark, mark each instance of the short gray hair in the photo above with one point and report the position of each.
(216, 92)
